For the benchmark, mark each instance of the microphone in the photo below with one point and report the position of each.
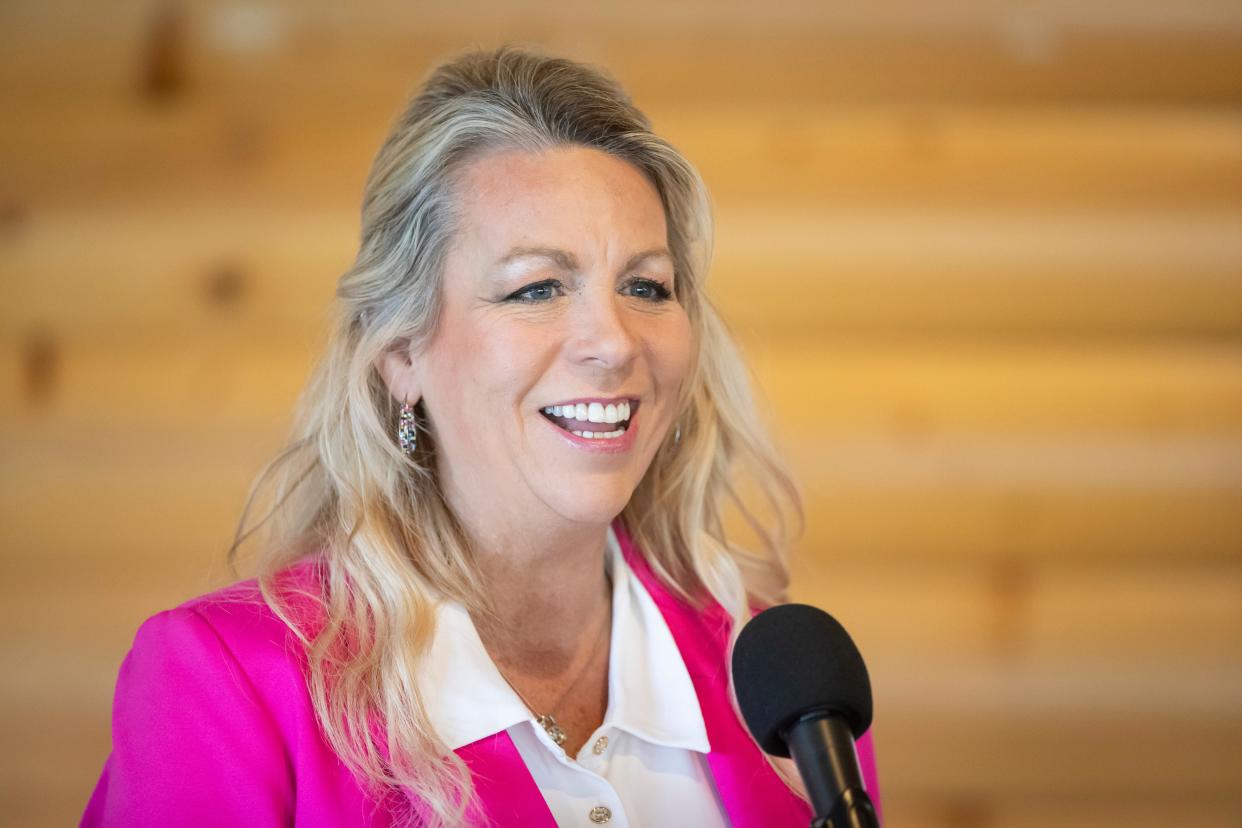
(803, 690)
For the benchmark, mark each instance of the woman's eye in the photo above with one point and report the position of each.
(648, 289)
(545, 291)
(538, 292)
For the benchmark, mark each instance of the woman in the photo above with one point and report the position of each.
(495, 584)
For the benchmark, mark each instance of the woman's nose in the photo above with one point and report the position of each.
(603, 336)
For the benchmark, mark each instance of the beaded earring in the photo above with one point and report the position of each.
(407, 433)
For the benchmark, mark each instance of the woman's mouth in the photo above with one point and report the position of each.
(593, 420)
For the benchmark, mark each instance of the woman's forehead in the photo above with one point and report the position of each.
(559, 203)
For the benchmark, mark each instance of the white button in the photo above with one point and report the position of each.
(601, 745)
(599, 815)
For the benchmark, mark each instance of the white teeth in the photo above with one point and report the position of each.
(600, 435)
(592, 412)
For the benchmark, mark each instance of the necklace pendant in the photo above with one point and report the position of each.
(554, 730)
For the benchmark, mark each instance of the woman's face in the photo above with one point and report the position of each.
(557, 322)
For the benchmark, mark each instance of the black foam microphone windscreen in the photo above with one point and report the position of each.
(794, 659)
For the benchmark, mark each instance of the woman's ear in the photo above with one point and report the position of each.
(400, 372)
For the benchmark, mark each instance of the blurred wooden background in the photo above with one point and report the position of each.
(986, 259)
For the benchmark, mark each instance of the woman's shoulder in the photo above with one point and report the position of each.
(233, 632)
(242, 610)
(212, 720)
(224, 662)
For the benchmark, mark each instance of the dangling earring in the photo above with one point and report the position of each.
(677, 435)
(407, 433)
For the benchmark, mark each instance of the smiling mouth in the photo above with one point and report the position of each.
(593, 421)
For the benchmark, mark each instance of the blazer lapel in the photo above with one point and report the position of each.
(506, 792)
(750, 790)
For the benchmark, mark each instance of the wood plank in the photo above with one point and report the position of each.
(195, 271)
(392, 16)
(953, 156)
(815, 60)
(1024, 524)
(208, 380)
(1096, 753)
(786, 274)
(1135, 810)
(299, 149)
(1072, 618)
(804, 274)
(913, 389)
(154, 498)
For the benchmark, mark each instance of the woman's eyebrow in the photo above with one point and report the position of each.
(567, 261)
(639, 258)
(561, 258)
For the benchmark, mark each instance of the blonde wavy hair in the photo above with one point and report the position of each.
(388, 545)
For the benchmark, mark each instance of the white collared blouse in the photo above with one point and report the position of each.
(646, 764)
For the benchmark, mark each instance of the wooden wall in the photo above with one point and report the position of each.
(987, 266)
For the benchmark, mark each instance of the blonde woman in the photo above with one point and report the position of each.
(495, 586)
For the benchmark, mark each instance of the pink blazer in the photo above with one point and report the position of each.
(213, 726)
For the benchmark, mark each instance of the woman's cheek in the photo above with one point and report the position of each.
(679, 351)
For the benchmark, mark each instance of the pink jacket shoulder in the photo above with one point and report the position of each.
(212, 726)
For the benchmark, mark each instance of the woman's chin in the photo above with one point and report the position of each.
(600, 508)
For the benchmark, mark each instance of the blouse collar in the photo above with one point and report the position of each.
(650, 693)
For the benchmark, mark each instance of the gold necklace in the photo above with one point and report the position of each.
(547, 720)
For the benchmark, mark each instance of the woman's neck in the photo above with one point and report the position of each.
(549, 589)
(549, 633)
